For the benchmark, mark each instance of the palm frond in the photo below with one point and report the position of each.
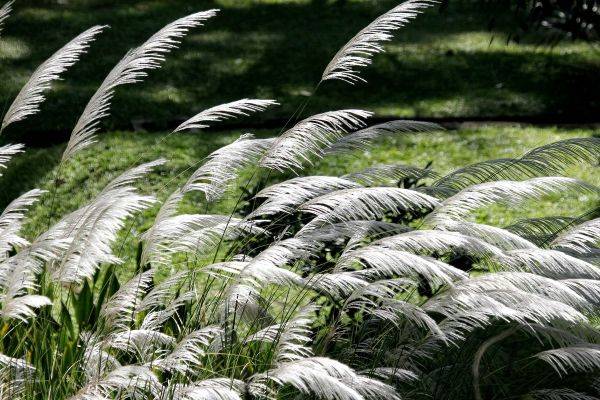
(225, 111)
(309, 137)
(131, 69)
(357, 53)
(31, 95)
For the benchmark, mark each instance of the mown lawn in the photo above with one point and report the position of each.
(445, 64)
(85, 176)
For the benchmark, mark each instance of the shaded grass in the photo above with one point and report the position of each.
(86, 175)
(441, 65)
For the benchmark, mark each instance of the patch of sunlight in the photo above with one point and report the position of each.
(488, 42)
(253, 3)
(13, 49)
(498, 102)
(169, 93)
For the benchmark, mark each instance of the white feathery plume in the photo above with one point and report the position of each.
(377, 299)
(364, 204)
(502, 238)
(382, 263)
(436, 241)
(527, 282)
(386, 175)
(5, 12)
(189, 351)
(204, 240)
(94, 227)
(31, 95)
(309, 137)
(11, 221)
(547, 160)
(364, 138)
(318, 376)
(131, 69)
(285, 197)
(154, 320)
(14, 374)
(559, 394)
(553, 264)
(579, 239)
(372, 389)
(291, 338)
(223, 165)
(145, 344)
(207, 389)
(162, 292)
(225, 111)
(118, 311)
(129, 381)
(358, 51)
(7, 151)
(23, 307)
(97, 229)
(97, 362)
(583, 358)
(463, 203)
(587, 288)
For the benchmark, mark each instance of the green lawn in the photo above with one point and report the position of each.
(441, 65)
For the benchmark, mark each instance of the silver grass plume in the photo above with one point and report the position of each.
(7, 151)
(187, 355)
(309, 137)
(583, 358)
(357, 53)
(286, 197)
(207, 389)
(364, 204)
(225, 111)
(31, 95)
(223, 165)
(364, 138)
(5, 13)
(131, 69)
(120, 309)
(499, 237)
(579, 239)
(11, 222)
(129, 381)
(550, 159)
(464, 202)
(559, 394)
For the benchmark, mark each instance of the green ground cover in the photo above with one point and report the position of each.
(445, 64)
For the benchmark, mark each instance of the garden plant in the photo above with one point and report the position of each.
(378, 284)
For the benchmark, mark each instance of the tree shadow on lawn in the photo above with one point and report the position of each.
(279, 50)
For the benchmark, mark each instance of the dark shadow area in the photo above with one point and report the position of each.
(279, 51)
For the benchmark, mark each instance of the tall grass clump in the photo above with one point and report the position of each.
(378, 284)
